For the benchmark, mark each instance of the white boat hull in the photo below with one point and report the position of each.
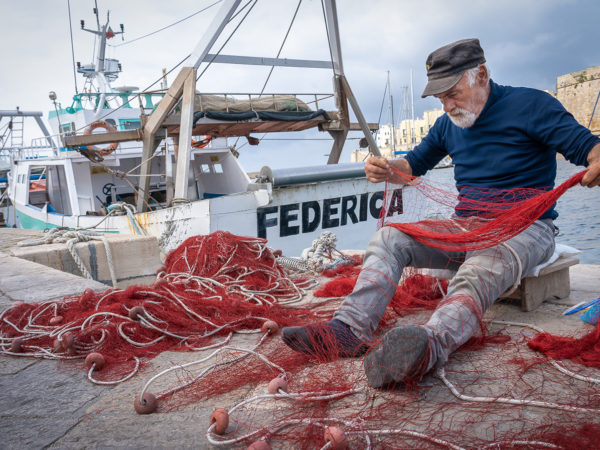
(290, 218)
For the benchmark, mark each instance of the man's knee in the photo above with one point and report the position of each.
(391, 239)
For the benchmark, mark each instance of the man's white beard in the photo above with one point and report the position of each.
(462, 118)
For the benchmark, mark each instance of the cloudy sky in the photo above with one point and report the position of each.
(527, 43)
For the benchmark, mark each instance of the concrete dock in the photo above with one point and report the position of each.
(43, 405)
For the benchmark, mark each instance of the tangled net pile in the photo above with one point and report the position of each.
(210, 286)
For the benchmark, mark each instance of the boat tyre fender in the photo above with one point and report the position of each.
(109, 129)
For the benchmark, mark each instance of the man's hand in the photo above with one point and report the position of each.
(379, 169)
(592, 177)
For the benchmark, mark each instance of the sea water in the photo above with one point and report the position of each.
(578, 209)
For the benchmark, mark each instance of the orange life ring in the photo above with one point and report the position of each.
(202, 142)
(109, 129)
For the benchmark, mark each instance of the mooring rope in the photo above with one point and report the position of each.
(72, 237)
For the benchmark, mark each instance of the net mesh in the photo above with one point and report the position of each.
(502, 389)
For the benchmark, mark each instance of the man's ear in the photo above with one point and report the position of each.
(482, 75)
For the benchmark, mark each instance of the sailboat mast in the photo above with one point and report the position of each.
(391, 113)
(412, 111)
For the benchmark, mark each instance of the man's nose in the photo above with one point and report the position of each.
(448, 105)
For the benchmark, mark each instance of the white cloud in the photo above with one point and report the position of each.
(527, 43)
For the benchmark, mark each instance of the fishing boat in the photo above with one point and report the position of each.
(160, 162)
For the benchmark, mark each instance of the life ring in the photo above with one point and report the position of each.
(109, 129)
(202, 142)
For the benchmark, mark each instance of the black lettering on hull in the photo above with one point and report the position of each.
(301, 218)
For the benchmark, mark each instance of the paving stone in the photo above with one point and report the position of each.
(39, 403)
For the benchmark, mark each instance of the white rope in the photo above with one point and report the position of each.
(70, 238)
(127, 377)
(212, 355)
(441, 374)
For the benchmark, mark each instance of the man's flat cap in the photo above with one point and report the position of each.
(446, 65)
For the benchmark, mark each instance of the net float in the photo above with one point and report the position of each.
(277, 383)
(55, 320)
(270, 327)
(336, 438)
(259, 445)
(136, 311)
(145, 404)
(95, 360)
(16, 346)
(220, 418)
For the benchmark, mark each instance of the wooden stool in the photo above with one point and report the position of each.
(552, 281)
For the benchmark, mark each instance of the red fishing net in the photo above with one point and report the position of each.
(493, 393)
(209, 286)
(486, 217)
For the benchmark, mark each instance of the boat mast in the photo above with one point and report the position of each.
(104, 32)
(184, 87)
(412, 112)
(391, 114)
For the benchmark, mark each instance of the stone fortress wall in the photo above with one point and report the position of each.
(578, 92)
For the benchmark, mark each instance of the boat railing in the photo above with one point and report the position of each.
(148, 100)
(143, 100)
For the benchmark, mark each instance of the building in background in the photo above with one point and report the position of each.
(407, 134)
(579, 92)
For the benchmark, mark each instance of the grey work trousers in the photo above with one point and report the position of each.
(481, 277)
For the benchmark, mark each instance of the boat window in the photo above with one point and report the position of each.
(130, 124)
(205, 168)
(218, 168)
(112, 122)
(66, 128)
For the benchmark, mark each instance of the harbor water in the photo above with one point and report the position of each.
(579, 215)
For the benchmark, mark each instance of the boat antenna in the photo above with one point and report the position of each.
(412, 111)
(97, 15)
(72, 49)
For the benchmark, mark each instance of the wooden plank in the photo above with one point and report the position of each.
(185, 137)
(230, 129)
(339, 138)
(174, 119)
(353, 126)
(168, 102)
(150, 144)
(534, 290)
(560, 263)
(102, 138)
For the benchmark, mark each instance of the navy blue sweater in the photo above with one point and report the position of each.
(512, 144)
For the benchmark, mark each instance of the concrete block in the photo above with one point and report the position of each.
(135, 258)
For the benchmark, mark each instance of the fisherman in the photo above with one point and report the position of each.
(499, 137)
